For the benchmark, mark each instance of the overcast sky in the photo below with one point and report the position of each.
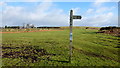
(97, 14)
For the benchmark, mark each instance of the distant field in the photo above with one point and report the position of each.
(37, 29)
(51, 48)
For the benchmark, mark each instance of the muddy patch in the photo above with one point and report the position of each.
(28, 53)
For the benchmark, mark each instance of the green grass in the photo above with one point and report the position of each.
(89, 48)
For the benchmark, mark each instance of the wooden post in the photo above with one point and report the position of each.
(71, 24)
(71, 38)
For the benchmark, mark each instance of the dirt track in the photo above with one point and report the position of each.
(30, 31)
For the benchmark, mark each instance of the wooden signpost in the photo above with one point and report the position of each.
(71, 24)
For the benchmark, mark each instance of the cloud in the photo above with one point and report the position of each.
(0, 18)
(62, 0)
(105, 0)
(99, 16)
(47, 14)
(89, 11)
(99, 3)
(2, 3)
(103, 9)
(42, 15)
(99, 20)
(28, 0)
(76, 10)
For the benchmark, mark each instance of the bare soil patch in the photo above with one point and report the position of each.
(28, 53)
(112, 31)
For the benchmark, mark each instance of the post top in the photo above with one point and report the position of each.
(71, 10)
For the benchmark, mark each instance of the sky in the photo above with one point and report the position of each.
(95, 14)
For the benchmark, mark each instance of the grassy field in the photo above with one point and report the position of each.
(51, 48)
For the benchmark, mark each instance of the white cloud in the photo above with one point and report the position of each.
(99, 20)
(99, 15)
(28, 0)
(43, 14)
(76, 10)
(103, 9)
(90, 11)
(0, 18)
(47, 14)
(61, 0)
(105, 0)
(98, 3)
(1, 3)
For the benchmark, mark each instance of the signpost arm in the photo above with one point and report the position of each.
(71, 24)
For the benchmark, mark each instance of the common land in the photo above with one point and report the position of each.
(51, 48)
